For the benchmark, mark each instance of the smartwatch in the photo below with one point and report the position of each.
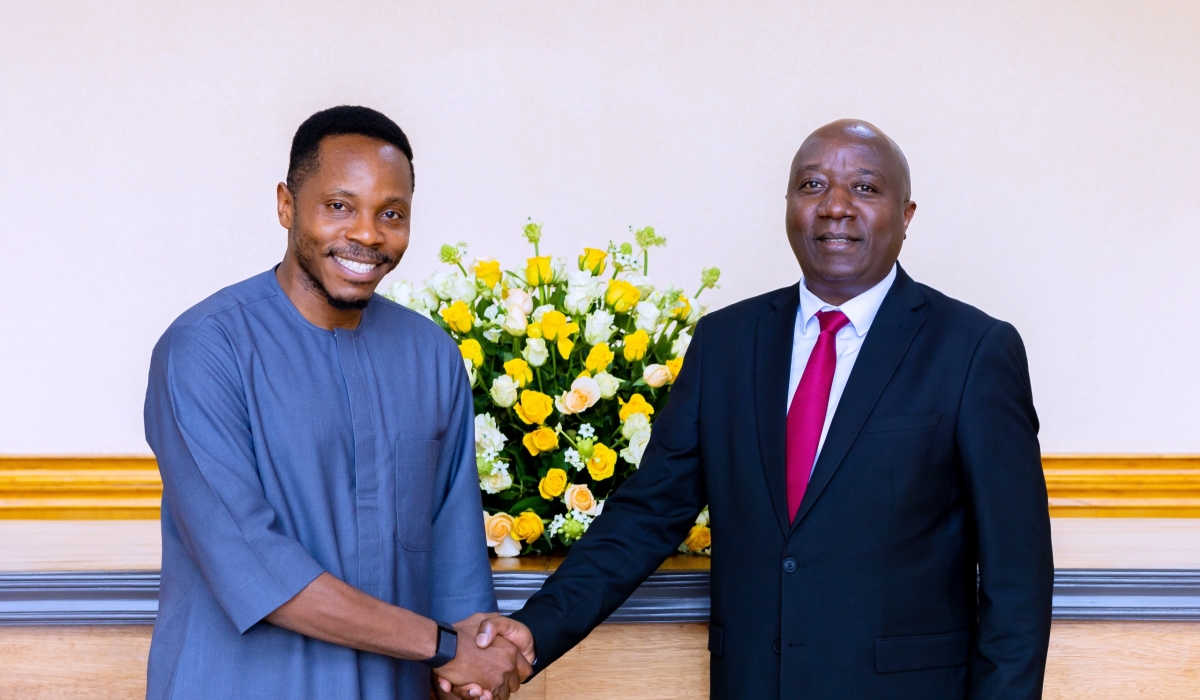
(447, 646)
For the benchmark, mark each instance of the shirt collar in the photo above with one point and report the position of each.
(860, 310)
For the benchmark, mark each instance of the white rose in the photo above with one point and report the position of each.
(636, 423)
(578, 300)
(488, 437)
(541, 311)
(697, 311)
(472, 375)
(598, 327)
(401, 293)
(520, 299)
(558, 268)
(441, 282)
(514, 321)
(499, 480)
(492, 334)
(579, 278)
(647, 316)
(642, 282)
(464, 289)
(656, 375)
(504, 391)
(584, 394)
(508, 547)
(680, 346)
(608, 385)
(535, 352)
(637, 445)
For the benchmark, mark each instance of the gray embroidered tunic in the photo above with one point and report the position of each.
(287, 450)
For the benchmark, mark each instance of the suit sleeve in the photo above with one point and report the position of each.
(998, 445)
(198, 425)
(642, 524)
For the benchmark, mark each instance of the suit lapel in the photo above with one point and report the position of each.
(886, 343)
(772, 364)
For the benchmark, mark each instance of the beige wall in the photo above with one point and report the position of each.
(1054, 150)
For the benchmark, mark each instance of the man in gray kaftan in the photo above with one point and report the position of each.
(299, 457)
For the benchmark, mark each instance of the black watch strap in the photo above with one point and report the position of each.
(447, 646)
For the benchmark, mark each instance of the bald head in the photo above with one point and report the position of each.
(848, 207)
(867, 134)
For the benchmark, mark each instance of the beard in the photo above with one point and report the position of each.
(306, 257)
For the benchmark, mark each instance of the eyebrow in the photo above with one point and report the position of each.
(354, 195)
(816, 168)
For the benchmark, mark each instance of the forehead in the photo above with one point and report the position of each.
(364, 160)
(824, 154)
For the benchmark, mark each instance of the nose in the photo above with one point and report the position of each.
(366, 233)
(836, 203)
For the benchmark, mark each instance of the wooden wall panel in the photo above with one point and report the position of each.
(1093, 660)
(98, 488)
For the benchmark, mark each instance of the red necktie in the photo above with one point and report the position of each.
(806, 417)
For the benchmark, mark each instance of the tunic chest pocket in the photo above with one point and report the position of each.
(416, 467)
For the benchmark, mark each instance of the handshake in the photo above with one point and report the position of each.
(495, 654)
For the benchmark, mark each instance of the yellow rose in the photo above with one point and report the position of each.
(579, 497)
(519, 370)
(699, 538)
(636, 404)
(682, 308)
(528, 526)
(635, 345)
(497, 527)
(537, 271)
(552, 322)
(458, 317)
(565, 345)
(540, 440)
(675, 365)
(599, 358)
(534, 407)
(488, 272)
(602, 463)
(471, 350)
(593, 259)
(534, 330)
(553, 484)
(621, 295)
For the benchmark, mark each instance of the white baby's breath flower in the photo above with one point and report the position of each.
(535, 352)
(571, 457)
(598, 327)
(504, 391)
(586, 430)
(608, 384)
(556, 524)
(637, 446)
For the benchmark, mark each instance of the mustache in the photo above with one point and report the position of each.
(358, 252)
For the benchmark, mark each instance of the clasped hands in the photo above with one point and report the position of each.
(495, 654)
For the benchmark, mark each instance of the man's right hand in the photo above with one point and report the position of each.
(494, 670)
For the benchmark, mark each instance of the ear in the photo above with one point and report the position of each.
(910, 208)
(285, 205)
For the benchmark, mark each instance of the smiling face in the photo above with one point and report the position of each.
(348, 222)
(848, 208)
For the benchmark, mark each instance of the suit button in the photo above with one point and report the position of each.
(776, 646)
(789, 565)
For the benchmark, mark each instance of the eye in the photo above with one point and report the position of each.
(810, 184)
(864, 187)
(393, 215)
(337, 206)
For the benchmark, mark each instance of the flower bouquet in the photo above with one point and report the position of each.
(569, 364)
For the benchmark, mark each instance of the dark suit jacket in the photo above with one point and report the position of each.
(931, 467)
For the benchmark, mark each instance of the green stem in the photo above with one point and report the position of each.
(646, 261)
(702, 288)
(464, 270)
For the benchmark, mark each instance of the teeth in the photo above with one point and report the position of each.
(353, 266)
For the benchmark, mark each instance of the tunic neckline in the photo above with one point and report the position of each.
(287, 302)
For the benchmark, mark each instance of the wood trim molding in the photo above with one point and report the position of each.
(129, 487)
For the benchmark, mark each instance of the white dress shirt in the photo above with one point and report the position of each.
(861, 311)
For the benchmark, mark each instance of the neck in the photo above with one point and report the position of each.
(310, 301)
(838, 292)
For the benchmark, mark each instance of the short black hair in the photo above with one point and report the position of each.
(335, 121)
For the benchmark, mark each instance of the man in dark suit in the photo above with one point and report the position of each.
(866, 444)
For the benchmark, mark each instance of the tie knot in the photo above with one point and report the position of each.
(832, 321)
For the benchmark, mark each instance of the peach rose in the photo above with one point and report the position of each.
(579, 497)
(584, 394)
